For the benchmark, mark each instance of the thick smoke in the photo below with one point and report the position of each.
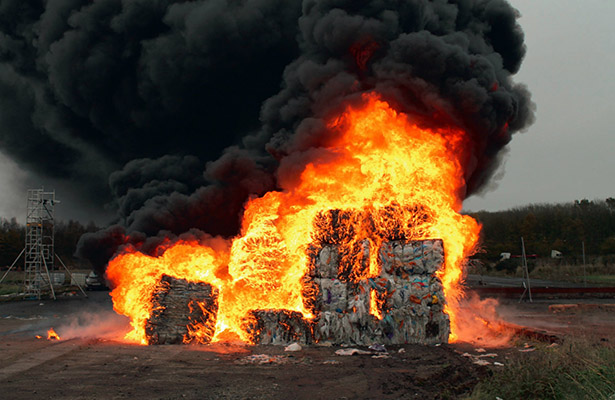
(86, 87)
(133, 99)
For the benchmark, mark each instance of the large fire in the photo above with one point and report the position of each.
(408, 178)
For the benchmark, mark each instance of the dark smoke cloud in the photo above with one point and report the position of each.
(86, 87)
(134, 98)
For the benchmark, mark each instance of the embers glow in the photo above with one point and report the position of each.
(409, 179)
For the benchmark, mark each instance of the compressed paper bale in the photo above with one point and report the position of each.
(278, 327)
(182, 312)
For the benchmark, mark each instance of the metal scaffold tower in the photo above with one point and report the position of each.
(39, 250)
(39, 253)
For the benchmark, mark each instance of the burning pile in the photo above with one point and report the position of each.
(366, 246)
(179, 306)
(392, 112)
(402, 304)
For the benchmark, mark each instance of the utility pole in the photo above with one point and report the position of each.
(526, 273)
(584, 269)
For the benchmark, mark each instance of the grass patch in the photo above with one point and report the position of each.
(597, 274)
(575, 370)
(12, 283)
(602, 279)
(10, 289)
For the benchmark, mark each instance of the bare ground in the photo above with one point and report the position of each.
(90, 363)
(93, 368)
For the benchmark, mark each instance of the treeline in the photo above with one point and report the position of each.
(545, 227)
(12, 239)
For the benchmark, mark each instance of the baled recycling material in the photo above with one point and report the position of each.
(403, 304)
(182, 312)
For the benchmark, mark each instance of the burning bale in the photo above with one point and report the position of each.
(360, 289)
(278, 327)
(350, 245)
(403, 303)
(182, 312)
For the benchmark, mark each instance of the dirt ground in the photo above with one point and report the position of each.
(91, 362)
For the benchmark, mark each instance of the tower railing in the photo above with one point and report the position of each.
(39, 247)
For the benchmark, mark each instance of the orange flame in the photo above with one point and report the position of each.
(52, 335)
(375, 304)
(379, 160)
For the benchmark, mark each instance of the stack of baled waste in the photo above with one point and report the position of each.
(408, 294)
(278, 327)
(402, 304)
(182, 312)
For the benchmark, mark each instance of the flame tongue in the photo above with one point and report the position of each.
(406, 178)
(52, 335)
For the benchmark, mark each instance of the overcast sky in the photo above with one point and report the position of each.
(567, 154)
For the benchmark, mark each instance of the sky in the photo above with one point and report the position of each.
(566, 154)
(15, 182)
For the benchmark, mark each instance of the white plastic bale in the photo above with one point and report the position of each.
(327, 262)
(338, 329)
(328, 326)
(278, 327)
(414, 290)
(433, 255)
(437, 328)
(358, 303)
(444, 324)
(403, 258)
(382, 284)
(353, 260)
(400, 258)
(414, 324)
(177, 305)
(401, 326)
(332, 295)
(437, 292)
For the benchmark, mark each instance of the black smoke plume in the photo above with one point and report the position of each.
(176, 112)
